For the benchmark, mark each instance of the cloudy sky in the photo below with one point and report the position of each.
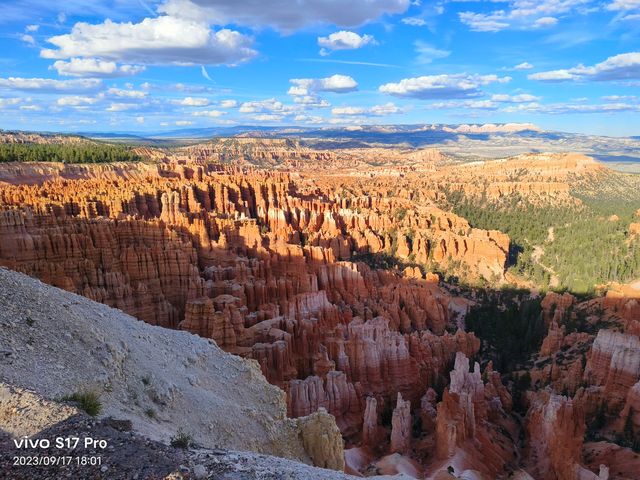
(152, 66)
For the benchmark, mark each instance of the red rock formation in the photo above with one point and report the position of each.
(614, 365)
(401, 426)
(555, 429)
(471, 421)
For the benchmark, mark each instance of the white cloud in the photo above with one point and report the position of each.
(348, 111)
(76, 100)
(620, 98)
(204, 73)
(154, 41)
(465, 104)
(31, 108)
(545, 22)
(572, 108)
(122, 93)
(521, 98)
(335, 83)
(414, 21)
(32, 28)
(523, 66)
(121, 107)
(140, 120)
(228, 103)
(441, 86)
(10, 102)
(45, 85)
(284, 15)
(194, 102)
(270, 106)
(624, 5)
(625, 66)
(343, 40)
(183, 123)
(93, 67)
(376, 110)
(209, 113)
(309, 119)
(312, 101)
(267, 117)
(28, 39)
(522, 14)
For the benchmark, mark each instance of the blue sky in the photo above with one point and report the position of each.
(116, 65)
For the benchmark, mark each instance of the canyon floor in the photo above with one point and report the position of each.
(369, 310)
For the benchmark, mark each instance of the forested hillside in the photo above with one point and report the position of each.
(567, 247)
(67, 153)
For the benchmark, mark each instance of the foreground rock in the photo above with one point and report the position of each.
(128, 454)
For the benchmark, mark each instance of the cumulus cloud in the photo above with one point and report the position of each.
(343, 40)
(93, 67)
(441, 86)
(194, 102)
(47, 85)
(284, 15)
(28, 39)
(271, 106)
(10, 102)
(130, 93)
(228, 103)
(521, 14)
(76, 100)
(312, 101)
(625, 66)
(153, 41)
(183, 123)
(335, 83)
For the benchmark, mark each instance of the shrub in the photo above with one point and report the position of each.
(87, 400)
(181, 440)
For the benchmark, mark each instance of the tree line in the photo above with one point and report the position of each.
(67, 153)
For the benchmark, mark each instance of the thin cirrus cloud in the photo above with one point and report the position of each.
(625, 66)
(284, 15)
(376, 110)
(523, 66)
(343, 40)
(441, 86)
(153, 41)
(93, 67)
(427, 53)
